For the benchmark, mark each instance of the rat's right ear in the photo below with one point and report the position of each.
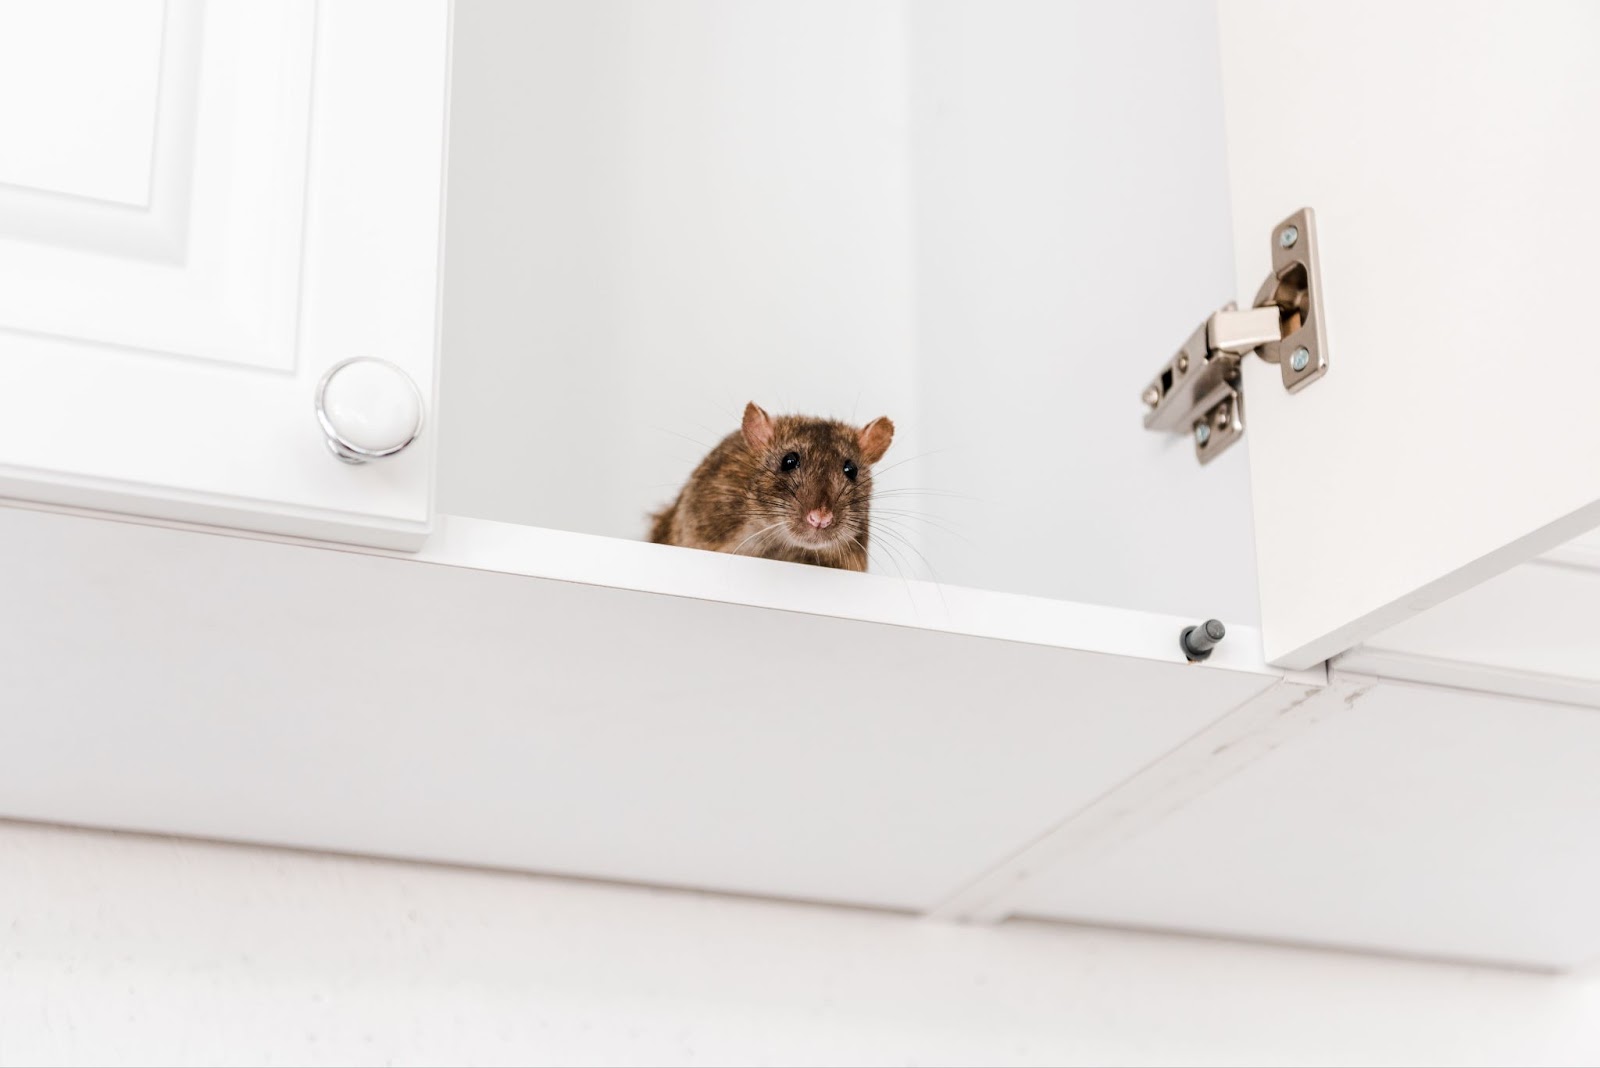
(757, 427)
(875, 438)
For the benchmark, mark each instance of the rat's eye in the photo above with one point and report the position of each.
(791, 460)
(850, 470)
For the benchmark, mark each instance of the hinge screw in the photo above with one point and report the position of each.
(1152, 396)
(1202, 433)
(1288, 236)
(1300, 358)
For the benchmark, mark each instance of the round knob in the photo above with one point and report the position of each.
(368, 409)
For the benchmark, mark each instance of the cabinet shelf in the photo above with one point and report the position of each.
(557, 702)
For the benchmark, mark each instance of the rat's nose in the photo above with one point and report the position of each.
(819, 518)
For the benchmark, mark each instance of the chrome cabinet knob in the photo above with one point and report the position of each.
(368, 409)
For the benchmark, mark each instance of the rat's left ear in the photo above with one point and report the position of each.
(875, 438)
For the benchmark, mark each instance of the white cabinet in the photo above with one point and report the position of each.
(992, 224)
(1424, 821)
(204, 208)
(563, 703)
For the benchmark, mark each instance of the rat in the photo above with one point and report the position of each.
(788, 488)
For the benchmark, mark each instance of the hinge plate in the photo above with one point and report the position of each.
(1199, 392)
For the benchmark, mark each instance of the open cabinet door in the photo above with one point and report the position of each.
(1451, 155)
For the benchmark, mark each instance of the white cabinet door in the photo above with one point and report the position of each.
(203, 208)
(1451, 153)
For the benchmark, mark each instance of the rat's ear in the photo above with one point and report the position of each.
(757, 427)
(875, 438)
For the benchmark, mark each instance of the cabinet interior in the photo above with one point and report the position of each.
(657, 215)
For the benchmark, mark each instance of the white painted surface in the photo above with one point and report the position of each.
(710, 721)
(955, 214)
(1245, 735)
(1412, 819)
(633, 566)
(123, 950)
(86, 142)
(1533, 632)
(1582, 551)
(1071, 230)
(1451, 162)
(160, 356)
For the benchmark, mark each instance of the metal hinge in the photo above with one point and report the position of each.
(1199, 392)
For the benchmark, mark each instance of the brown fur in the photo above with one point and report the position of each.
(740, 500)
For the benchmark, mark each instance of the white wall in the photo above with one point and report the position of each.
(1072, 229)
(992, 221)
(120, 949)
(657, 213)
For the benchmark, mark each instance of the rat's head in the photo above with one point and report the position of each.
(812, 478)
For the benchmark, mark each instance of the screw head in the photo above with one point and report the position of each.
(1300, 359)
(1202, 434)
(1152, 396)
(1288, 236)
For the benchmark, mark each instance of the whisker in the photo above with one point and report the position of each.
(763, 530)
(899, 571)
(901, 491)
(685, 437)
(878, 472)
(938, 584)
(889, 515)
